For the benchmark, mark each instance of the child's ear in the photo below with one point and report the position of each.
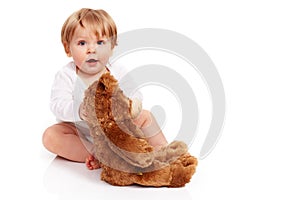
(67, 50)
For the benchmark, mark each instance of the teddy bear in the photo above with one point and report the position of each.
(125, 156)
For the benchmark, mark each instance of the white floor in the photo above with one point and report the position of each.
(51, 177)
(226, 173)
(73, 181)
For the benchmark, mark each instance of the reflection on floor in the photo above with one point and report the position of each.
(72, 180)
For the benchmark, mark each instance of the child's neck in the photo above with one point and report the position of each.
(89, 79)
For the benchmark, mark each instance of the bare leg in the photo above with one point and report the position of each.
(151, 129)
(63, 140)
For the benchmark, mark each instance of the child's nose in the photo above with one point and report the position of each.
(92, 48)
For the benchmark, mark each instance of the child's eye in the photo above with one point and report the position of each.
(100, 42)
(81, 43)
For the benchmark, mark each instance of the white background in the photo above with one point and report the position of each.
(255, 46)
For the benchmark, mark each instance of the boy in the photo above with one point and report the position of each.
(88, 36)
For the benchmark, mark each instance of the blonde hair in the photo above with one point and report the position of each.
(99, 21)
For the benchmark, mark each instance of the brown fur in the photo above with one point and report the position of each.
(126, 157)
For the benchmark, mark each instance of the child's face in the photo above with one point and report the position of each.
(90, 53)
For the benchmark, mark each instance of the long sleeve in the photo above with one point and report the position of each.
(63, 102)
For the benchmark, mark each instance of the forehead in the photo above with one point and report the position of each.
(87, 32)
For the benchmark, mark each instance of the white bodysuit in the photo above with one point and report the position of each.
(67, 94)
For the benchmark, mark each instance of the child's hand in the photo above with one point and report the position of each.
(82, 112)
(136, 108)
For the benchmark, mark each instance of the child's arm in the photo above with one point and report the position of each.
(62, 102)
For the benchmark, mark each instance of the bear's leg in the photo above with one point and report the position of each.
(116, 177)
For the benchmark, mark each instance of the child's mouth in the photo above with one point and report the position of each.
(91, 61)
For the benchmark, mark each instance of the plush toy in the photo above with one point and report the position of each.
(124, 154)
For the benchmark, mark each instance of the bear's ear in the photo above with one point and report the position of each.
(101, 86)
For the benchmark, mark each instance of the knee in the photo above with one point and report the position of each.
(48, 139)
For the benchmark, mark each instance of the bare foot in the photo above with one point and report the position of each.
(92, 163)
